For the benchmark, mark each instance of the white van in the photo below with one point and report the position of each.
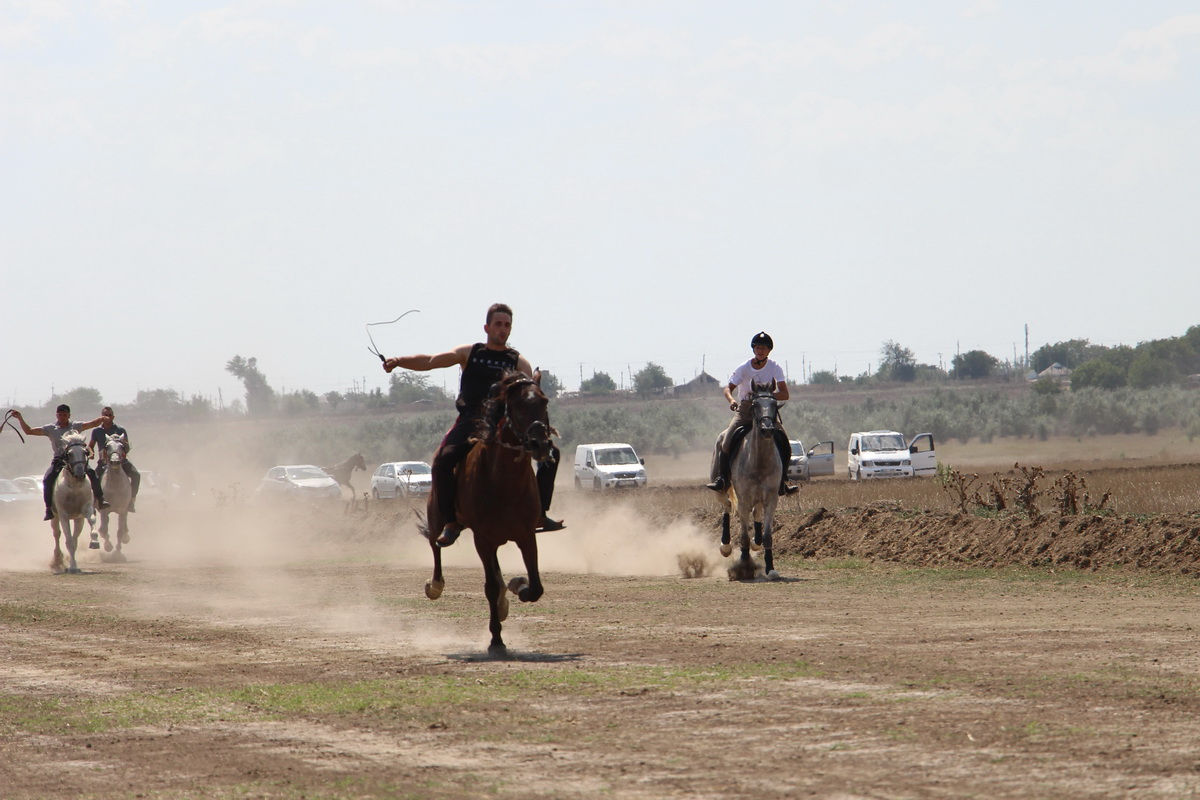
(886, 454)
(609, 465)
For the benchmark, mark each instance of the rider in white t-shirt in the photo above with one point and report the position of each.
(759, 369)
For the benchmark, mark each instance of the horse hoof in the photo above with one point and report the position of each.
(123, 538)
(726, 549)
(773, 575)
(93, 545)
(433, 589)
(756, 546)
(107, 546)
(517, 584)
(497, 650)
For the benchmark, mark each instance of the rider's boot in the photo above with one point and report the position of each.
(548, 524)
(785, 456)
(130, 507)
(49, 514)
(722, 481)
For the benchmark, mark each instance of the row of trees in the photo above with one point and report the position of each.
(1161, 362)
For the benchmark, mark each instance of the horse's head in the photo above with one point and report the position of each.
(521, 407)
(75, 455)
(115, 448)
(358, 462)
(764, 408)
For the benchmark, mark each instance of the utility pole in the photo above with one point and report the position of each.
(1026, 345)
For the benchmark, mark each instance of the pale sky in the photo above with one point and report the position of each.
(182, 182)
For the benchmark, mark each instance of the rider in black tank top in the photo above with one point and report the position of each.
(483, 364)
(484, 367)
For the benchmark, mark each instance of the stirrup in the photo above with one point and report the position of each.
(450, 534)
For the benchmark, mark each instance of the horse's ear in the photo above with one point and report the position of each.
(537, 376)
(773, 384)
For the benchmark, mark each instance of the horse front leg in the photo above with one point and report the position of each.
(56, 561)
(528, 588)
(768, 539)
(108, 546)
(726, 547)
(74, 530)
(743, 569)
(435, 585)
(494, 590)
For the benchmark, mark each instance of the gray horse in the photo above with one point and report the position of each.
(756, 471)
(72, 501)
(118, 491)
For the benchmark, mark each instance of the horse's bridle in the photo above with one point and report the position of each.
(111, 443)
(764, 401)
(81, 461)
(534, 435)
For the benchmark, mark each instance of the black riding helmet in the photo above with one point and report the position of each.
(762, 338)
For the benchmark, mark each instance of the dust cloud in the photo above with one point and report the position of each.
(342, 575)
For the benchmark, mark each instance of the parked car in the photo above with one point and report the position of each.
(13, 496)
(806, 464)
(886, 454)
(295, 481)
(402, 479)
(29, 483)
(609, 465)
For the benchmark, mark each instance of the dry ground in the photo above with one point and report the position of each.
(911, 650)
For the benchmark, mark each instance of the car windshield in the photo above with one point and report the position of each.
(616, 456)
(304, 473)
(415, 467)
(893, 441)
(797, 448)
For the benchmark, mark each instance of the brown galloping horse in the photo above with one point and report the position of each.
(341, 472)
(497, 495)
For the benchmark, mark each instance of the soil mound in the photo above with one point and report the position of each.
(1167, 542)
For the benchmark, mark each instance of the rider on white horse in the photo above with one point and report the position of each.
(100, 440)
(762, 370)
(54, 432)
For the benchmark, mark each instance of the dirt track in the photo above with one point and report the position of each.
(241, 654)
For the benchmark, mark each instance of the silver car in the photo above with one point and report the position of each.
(298, 481)
(402, 479)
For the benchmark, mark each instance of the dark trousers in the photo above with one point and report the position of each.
(454, 449)
(52, 475)
(135, 477)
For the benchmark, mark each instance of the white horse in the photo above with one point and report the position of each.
(72, 500)
(756, 472)
(118, 491)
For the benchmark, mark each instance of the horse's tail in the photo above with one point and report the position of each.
(422, 524)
